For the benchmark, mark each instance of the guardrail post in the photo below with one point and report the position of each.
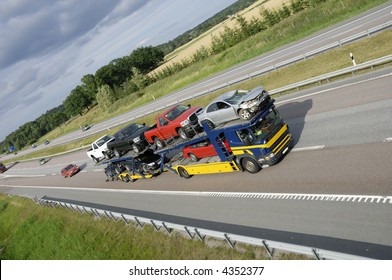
(125, 220)
(229, 241)
(269, 251)
(189, 233)
(139, 223)
(106, 214)
(199, 235)
(155, 226)
(316, 254)
(114, 218)
(169, 230)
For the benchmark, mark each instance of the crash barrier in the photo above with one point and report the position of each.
(200, 233)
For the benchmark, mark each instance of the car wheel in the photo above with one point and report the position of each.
(117, 153)
(250, 165)
(159, 143)
(182, 134)
(210, 124)
(136, 149)
(193, 157)
(183, 173)
(245, 114)
(95, 159)
(125, 178)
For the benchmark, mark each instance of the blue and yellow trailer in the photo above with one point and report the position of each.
(255, 144)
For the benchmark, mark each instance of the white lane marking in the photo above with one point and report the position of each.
(311, 148)
(282, 196)
(331, 89)
(386, 140)
(97, 170)
(23, 176)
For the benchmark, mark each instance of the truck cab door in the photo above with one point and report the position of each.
(164, 128)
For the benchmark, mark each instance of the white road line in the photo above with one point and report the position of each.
(281, 196)
(311, 148)
(331, 89)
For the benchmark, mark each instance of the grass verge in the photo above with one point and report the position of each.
(29, 231)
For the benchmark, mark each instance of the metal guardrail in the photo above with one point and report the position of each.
(200, 233)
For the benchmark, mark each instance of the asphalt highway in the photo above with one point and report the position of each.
(334, 186)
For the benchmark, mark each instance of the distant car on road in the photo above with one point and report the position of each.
(233, 105)
(86, 127)
(46, 142)
(42, 161)
(70, 170)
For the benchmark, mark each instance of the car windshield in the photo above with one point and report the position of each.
(68, 167)
(173, 114)
(131, 129)
(236, 98)
(103, 140)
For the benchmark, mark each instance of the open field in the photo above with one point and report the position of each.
(190, 48)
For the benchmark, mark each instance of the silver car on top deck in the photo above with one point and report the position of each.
(233, 105)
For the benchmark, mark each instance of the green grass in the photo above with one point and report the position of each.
(29, 231)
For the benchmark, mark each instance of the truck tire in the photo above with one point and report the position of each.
(245, 114)
(159, 143)
(183, 173)
(94, 159)
(106, 155)
(250, 165)
(117, 153)
(193, 157)
(182, 133)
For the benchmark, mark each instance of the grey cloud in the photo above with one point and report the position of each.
(30, 28)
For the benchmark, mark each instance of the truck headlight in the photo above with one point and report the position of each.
(184, 123)
(270, 156)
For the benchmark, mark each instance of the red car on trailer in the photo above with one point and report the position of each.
(201, 150)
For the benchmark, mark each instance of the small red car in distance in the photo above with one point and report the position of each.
(70, 170)
(201, 150)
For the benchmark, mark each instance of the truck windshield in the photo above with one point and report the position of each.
(103, 140)
(173, 114)
(264, 127)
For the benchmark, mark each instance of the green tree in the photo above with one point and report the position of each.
(105, 97)
(146, 58)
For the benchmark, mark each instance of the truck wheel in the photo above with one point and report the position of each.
(245, 114)
(183, 173)
(106, 155)
(250, 165)
(130, 179)
(193, 157)
(125, 178)
(159, 143)
(182, 134)
(95, 159)
(210, 124)
(117, 153)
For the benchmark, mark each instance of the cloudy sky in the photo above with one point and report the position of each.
(47, 46)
